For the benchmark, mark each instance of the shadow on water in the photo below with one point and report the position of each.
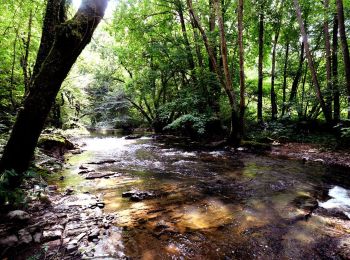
(213, 204)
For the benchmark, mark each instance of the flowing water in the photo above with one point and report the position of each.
(213, 204)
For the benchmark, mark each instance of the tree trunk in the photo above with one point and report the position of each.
(70, 39)
(273, 72)
(184, 34)
(328, 57)
(226, 83)
(285, 79)
(297, 77)
(260, 66)
(336, 95)
(25, 56)
(316, 84)
(235, 134)
(345, 48)
(241, 66)
(274, 110)
(212, 18)
(53, 17)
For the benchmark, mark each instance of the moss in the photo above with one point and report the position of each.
(52, 141)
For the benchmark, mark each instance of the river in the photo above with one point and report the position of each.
(206, 204)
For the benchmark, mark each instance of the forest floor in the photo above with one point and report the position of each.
(312, 153)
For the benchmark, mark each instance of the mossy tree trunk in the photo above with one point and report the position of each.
(70, 39)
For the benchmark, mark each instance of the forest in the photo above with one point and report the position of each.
(174, 129)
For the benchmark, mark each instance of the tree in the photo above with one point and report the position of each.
(260, 64)
(70, 39)
(326, 112)
(345, 48)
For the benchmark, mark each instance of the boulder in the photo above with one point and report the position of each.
(9, 241)
(18, 215)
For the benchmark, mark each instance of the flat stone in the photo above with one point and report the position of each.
(77, 239)
(103, 162)
(9, 241)
(18, 215)
(71, 248)
(94, 233)
(52, 234)
(97, 175)
(24, 236)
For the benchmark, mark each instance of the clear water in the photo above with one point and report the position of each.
(213, 204)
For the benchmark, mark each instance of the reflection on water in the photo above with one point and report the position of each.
(212, 204)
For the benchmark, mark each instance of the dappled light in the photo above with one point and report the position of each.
(174, 129)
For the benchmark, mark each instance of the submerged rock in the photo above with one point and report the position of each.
(136, 195)
(132, 137)
(97, 175)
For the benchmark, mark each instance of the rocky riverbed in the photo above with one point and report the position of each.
(154, 199)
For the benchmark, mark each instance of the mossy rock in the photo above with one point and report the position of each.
(51, 142)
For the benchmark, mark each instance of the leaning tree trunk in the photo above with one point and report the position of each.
(70, 39)
(345, 47)
(327, 114)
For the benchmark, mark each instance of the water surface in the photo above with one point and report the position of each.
(213, 204)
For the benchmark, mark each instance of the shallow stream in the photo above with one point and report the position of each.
(213, 204)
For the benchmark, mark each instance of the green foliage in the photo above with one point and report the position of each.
(192, 125)
(10, 195)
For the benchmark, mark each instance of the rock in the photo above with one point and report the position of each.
(49, 235)
(319, 160)
(82, 167)
(132, 137)
(37, 237)
(86, 171)
(76, 240)
(24, 236)
(9, 241)
(72, 248)
(61, 178)
(52, 187)
(103, 162)
(97, 175)
(77, 151)
(69, 191)
(101, 205)
(136, 195)
(94, 234)
(18, 215)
